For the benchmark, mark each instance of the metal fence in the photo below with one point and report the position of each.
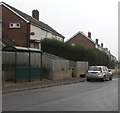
(22, 63)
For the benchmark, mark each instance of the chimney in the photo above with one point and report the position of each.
(89, 34)
(35, 14)
(102, 45)
(96, 41)
(106, 49)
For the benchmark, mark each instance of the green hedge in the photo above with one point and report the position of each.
(75, 53)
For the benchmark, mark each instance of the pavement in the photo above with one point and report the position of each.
(11, 87)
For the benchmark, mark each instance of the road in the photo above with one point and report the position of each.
(82, 96)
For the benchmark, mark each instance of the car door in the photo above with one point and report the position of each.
(107, 72)
(104, 72)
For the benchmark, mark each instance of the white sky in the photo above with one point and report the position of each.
(100, 17)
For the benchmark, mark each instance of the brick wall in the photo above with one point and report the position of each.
(82, 40)
(18, 35)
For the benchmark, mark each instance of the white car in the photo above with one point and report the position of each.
(98, 73)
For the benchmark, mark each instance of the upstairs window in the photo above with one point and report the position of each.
(14, 25)
(44, 34)
(54, 37)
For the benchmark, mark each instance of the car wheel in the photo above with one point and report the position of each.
(103, 79)
(111, 78)
(87, 79)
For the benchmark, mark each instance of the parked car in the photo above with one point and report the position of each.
(98, 73)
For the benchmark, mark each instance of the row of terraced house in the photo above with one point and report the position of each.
(22, 30)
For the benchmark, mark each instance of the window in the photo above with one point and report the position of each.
(53, 36)
(17, 24)
(44, 34)
(14, 25)
(32, 45)
(73, 44)
(39, 45)
(36, 45)
(94, 68)
(105, 69)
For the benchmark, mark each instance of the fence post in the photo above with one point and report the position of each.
(41, 66)
(15, 66)
(29, 66)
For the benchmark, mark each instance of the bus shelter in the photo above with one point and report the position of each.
(27, 62)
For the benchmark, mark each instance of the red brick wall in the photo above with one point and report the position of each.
(82, 40)
(19, 35)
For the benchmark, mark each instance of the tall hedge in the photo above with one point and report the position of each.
(75, 53)
(97, 57)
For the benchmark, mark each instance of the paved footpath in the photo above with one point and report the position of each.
(10, 87)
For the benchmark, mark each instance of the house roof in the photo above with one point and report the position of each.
(20, 49)
(82, 35)
(32, 20)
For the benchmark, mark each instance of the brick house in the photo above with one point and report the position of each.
(23, 30)
(81, 39)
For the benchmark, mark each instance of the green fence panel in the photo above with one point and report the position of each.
(35, 73)
(22, 74)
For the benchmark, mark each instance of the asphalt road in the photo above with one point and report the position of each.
(82, 96)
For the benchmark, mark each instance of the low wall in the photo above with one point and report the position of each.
(54, 63)
(61, 74)
(80, 72)
(81, 68)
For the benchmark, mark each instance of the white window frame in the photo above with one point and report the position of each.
(14, 25)
(43, 34)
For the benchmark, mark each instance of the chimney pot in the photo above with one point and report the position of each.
(96, 41)
(102, 44)
(89, 34)
(35, 14)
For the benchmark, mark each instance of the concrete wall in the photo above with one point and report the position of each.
(53, 63)
(57, 67)
(61, 74)
(61, 68)
(81, 68)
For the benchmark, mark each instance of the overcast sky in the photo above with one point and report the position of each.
(100, 17)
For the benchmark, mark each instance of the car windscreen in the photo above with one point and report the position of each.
(94, 69)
